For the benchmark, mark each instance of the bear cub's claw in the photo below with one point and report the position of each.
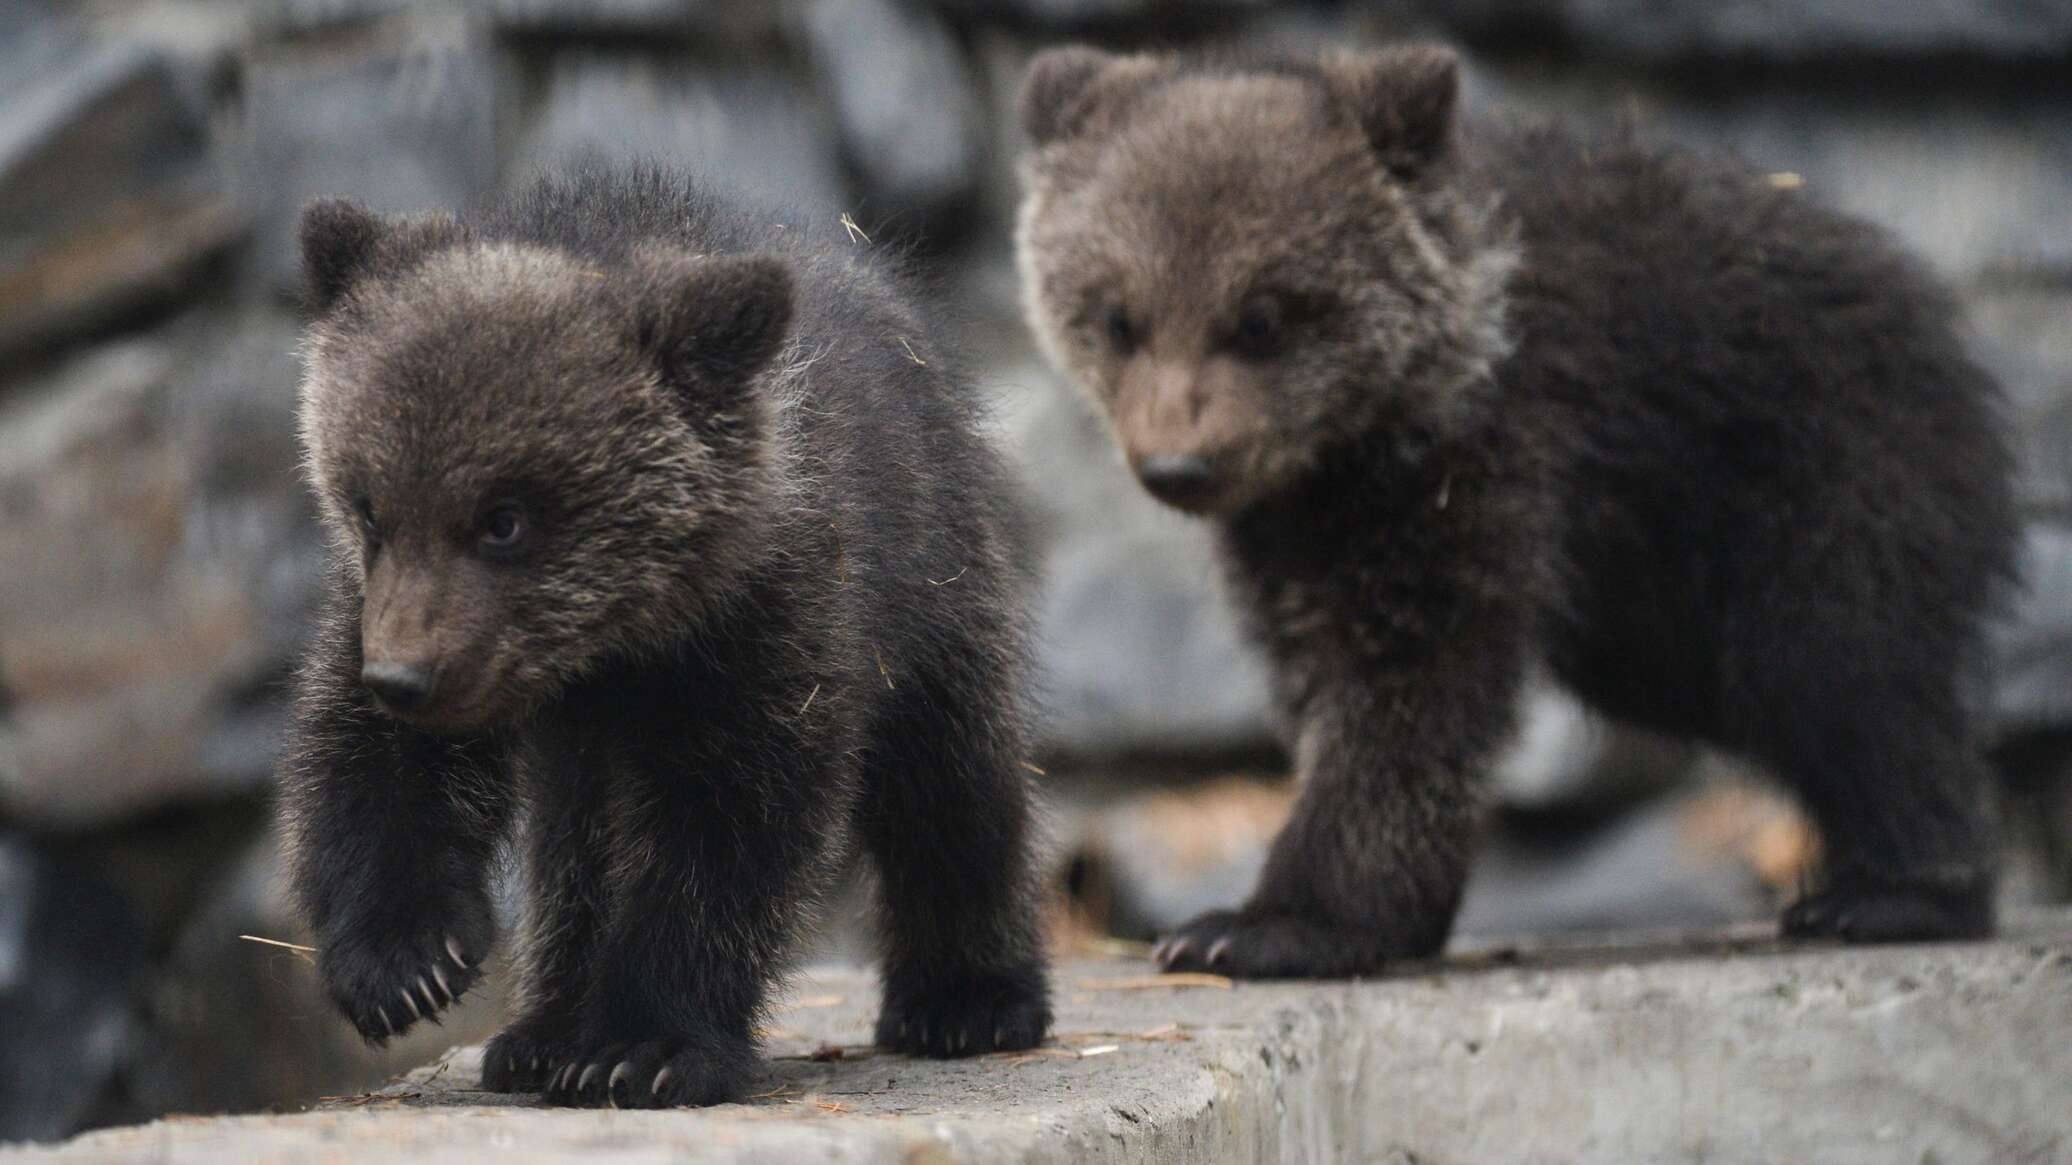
(989, 1013)
(1258, 945)
(647, 1074)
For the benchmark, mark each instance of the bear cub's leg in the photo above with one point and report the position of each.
(945, 817)
(695, 888)
(1876, 745)
(392, 832)
(1906, 833)
(1371, 865)
(564, 895)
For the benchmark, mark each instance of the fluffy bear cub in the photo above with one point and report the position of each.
(658, 547)
(1465, 399)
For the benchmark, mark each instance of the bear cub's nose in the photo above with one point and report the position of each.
(1177, 479)
(401, 686)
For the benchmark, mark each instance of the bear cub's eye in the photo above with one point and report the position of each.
(1261, 327)
(504, 526)
(1122, 334)
(364, 510)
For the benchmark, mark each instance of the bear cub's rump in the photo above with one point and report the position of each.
(1465, 399)
(635, 503)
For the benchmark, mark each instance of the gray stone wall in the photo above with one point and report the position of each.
(157, 553)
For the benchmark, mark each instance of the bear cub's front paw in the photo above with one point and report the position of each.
(1251, 944)
(969, 1017)
(525, 1056)
(650, 1074)
(384, 983)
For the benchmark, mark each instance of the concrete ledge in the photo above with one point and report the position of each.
(1726, 1048)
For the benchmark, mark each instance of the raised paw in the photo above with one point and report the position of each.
(985, 1013)
(1867, 913)
(1258, 945)
(386, 989)
(523, 1056)
(648, 1074)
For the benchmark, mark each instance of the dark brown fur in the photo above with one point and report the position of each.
(646, 515)
(1464, 397)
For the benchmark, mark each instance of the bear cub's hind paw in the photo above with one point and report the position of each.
(1863, 912)
(986, 1013)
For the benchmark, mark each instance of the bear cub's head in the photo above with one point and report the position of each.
(531, 462)
(1250, 268)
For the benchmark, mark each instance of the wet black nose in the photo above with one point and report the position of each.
(1177, 479)
(399, 685)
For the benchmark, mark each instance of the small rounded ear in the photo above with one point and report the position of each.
(1404, 99)
(716, 319)
(339, 238)
(1053, 87)
(1066, 89)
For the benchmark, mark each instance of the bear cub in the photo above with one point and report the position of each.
(658, 547)
(1466, 399)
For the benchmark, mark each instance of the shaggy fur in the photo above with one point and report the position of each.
(668, 553)
(1465, 398)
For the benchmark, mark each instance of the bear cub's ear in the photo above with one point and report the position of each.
(343, 241)
(1066, 89)
(717, 319)
(339, 238)
(1404, 98)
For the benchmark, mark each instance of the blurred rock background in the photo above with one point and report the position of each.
(157, 554)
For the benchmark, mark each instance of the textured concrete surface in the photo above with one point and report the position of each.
(1722, 1048)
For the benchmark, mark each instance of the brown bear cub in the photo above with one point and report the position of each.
(655, 548)
(1466, 399)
